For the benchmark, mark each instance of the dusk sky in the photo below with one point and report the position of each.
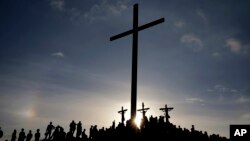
(57, 63)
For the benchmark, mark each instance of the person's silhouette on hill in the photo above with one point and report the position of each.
(84, 136)
(91, 132)
(1, 133)
(22, 135)
(49, 129)
(37, 135)
(56, 133)
(72, 127)
(69, 136)
(62, 134)
(29, 136)
(13, 137)
(79, 129)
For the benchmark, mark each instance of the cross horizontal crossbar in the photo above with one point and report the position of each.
(138, 29)
(143, 109)
(122, 111)
(166, 108)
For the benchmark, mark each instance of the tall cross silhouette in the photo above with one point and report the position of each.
(134, 31)
(165, 110)
(143, 110)
(122, 112)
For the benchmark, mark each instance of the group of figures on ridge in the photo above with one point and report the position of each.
(156, 128)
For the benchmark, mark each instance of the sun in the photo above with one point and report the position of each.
(138, 120)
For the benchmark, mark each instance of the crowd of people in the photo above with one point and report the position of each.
(151, 128)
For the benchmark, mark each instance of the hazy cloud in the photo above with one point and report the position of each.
(58, 4)
(107, 7)
(230, 94)
(242, 99)
(58, 54)
(202, 15)
(216, 54)
(234, 45)
(194, 100)
(246, 116)
(220, 88)
(179, 24)
(193, 40)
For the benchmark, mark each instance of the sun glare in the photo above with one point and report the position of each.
(138, 120)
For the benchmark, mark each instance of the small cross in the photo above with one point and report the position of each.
(165, 110)
(122, 112)
(143, 110)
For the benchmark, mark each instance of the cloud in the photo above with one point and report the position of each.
(58, 4)
(222, 92)
(210, 90)
(246, 116)
(242, 99)
(179, 24)
(202, 15)
(220, 88)
(194, 100)
(58, 54)
(192, 39)
(216, 54)
(106, 8)
(100, 11)
(235, 46)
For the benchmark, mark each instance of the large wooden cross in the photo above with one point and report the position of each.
(165, 110)
(134, 31)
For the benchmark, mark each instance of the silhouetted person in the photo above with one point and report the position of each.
(13, 137)
(37, 135)
(69, 136)
(192, 128)
(72, 127)
(113, 125)
(56, 133)
(95, 132)
(49, 129)
(22, 135)
(29, 136)
(62, 135)
(84, 136)
(1, 133)
(91, 132)
(79, 129)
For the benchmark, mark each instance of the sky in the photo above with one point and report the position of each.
(57, 63)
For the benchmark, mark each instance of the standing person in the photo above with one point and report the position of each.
(1, 133)
(79, 129)
(72, 127)
(49, 129)
(13, 137)
(22, 135)
(62, 135)
(37, 135)
(84, 136)
(29, 136)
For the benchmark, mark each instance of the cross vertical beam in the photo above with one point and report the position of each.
(134, 63)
